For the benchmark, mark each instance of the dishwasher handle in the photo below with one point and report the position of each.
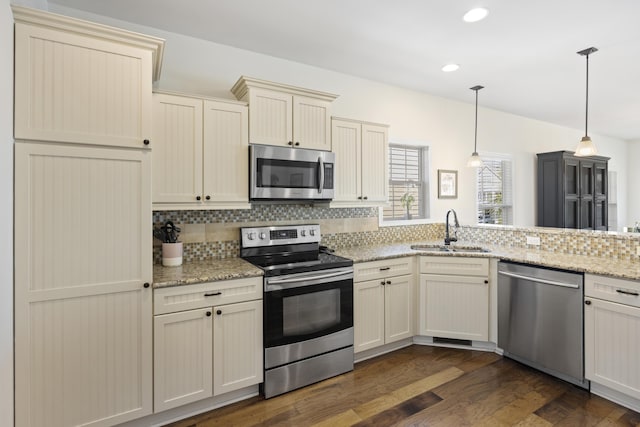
(537, 280)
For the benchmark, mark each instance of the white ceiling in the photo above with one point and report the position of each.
(524, 52)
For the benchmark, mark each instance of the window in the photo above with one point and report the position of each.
(495, 198)
(408, 183)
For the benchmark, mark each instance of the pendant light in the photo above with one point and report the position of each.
(586, 146)
(475, 161)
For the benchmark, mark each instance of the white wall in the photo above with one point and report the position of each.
(6, 214)
(633, 192)
(198, 66)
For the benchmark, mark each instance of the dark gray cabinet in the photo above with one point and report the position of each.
(572, 191)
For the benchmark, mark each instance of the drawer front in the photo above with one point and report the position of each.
(457, 266)
(384, 268)
(188, 297)
(611, 289)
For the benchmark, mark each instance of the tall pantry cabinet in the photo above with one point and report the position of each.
(83, 268)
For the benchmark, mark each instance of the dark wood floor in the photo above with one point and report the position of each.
(428, 386)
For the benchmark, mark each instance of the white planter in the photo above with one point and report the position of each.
(172, 254)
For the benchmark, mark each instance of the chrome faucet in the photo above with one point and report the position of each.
(447, 237)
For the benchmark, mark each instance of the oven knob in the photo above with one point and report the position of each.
(263, 236)
(312, 232)
(251, 236)
(303, 233)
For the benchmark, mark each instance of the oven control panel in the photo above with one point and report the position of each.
(280, 235)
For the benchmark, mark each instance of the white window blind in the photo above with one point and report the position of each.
(407, 182)
(495, 198)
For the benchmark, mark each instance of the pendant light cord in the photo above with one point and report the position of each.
(475, 138)
(586, 114)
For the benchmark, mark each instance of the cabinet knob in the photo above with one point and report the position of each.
(146, 142)
(297, 144)
(290, 143)
(208, 197)
(388, 282)
(146, 285)
(359, 197)
(382, 283)
(208, 313)
(219, 312)
(198, 198)
(486, 282)
(366, 198)
(587, 302)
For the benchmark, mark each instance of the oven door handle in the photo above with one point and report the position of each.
(321, 172)
(275, 284)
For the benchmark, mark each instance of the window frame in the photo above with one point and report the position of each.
(497, 157)
(427, 180)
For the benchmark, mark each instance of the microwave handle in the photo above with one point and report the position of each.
(321, 172)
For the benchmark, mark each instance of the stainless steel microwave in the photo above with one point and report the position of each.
(281, 173)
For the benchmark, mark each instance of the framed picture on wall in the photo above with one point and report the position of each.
(447, 184)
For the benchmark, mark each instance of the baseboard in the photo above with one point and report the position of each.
(383, 349)
(192, 409)
(475, 345)
(615, 396)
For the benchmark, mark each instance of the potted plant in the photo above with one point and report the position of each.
(171, 248)
(407, 200)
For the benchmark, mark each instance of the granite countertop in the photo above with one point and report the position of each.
(203, 271)
(234, 268)
(624, 269)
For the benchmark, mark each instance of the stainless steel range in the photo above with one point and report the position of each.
(308, 306)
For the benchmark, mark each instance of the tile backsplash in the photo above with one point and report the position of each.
(215, 234)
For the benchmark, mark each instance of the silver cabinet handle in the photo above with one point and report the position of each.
(321, 166)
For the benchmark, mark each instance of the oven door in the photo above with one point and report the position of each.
(287, 173)
(304, 306)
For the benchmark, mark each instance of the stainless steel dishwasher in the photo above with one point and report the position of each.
(541, 319)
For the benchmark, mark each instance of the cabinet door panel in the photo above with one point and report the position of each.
(454, 307)
(183, 358)
(270, 117)
(73, 88)
(311, 123)
(612, 346)
(177, 149)
(375, 176)
(368, 315)
(398, 299)
(346, 143)
(237, 343)
(226, 153)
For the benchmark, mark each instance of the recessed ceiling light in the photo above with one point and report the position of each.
(450, 67)
(475, 15)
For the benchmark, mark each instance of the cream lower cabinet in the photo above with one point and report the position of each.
(83, 301)
(361, 163)
(209, 350)
(453, 298)
(383, 305)
(200, 154)
(612, 333)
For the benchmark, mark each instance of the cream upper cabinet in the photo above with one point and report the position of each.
(82, 83)
(200, 154)
(453, 298)
(83, 301)
(177, 150)
(383, 302)
(612, 334)
(361, 163)
(286, 115)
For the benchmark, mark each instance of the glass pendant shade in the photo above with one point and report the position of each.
(586, 148)
(474, 161)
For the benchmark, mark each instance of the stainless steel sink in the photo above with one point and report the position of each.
(450, 248)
